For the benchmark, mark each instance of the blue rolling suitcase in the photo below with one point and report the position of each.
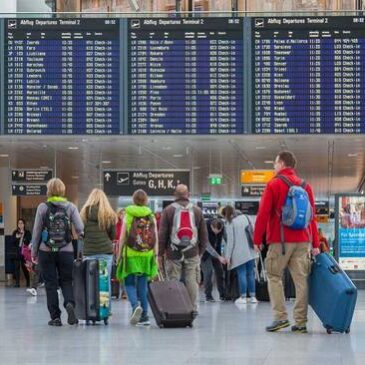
(332, 294)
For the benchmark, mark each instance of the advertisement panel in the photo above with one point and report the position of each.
(351, 232)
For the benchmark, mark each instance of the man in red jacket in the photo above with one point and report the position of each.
(297, 244)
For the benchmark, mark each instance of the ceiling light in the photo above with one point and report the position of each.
(74, 177)
(260, 147)
(4, 155)
(178, 155)
(196, 167)
(73, 148)
(84, 140)
(269, 162)
(106, 162)
(353, 155)
(166, 148)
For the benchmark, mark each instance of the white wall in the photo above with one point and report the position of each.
(8, 6)
(32, 6)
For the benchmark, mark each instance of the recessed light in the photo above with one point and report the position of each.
(106, 162)
(74, 177)
(73, 148)
(166, 148)
(353, 155)
(196, 167)
(269, 162)
(178, 156)
(4, 155)
(260, 147)
(84, 140)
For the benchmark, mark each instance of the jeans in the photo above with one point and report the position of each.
(208, 266)
(137, 283)
(246, 278)
(56, 269)
(109, 261)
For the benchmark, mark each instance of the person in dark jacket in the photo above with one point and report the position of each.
(56, 260)
(100, 222)
(20, 237)
(212, 260)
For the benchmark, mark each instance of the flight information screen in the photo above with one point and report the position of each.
(309, 75)
(62, 76)
(185, 76)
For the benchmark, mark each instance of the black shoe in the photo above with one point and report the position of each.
(277, 325)
(16, 286)
(144, 321)
(299, 329)
(55, 322)
(71, 320)
(210, 299)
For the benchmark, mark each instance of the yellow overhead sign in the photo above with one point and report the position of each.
(256, 176)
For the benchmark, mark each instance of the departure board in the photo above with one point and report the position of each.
(309, 75)
(62, 77)
(185, 76)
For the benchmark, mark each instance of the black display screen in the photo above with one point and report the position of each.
(185, 76)
(62, 76)
(309, 75)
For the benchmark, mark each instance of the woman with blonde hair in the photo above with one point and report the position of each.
(99, 220)
(52, 248)
(137, 259)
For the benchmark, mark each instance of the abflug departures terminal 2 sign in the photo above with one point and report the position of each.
(154, 183)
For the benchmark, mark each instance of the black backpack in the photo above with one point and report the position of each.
(58, 227)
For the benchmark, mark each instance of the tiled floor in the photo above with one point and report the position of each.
(222, 334)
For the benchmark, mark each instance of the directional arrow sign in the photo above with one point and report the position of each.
(107, 176)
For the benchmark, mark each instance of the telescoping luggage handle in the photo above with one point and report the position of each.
(263, 269)
(80, 250)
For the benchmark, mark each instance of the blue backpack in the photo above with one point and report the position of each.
(297, 210)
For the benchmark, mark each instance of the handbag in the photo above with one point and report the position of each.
(249, 233)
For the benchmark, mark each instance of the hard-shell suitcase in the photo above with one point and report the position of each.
(262, 291)
(231, 285)
(170, 303)
(114, 282)
(91, 290)
(332, 294)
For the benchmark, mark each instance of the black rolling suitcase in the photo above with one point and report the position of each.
(91, 291)
(170, 303)
(289, 287)
(114, 282)
(231, 285)
(262, 291)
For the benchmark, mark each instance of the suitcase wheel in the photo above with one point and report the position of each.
(87, 323)
(348, 330)
(190, 325)
(106, 321)
(329, 331)
(94, 322)
(160, 325)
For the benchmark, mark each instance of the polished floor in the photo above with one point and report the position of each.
(222, 334)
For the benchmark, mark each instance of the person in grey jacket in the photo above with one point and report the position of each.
(239, 255)
(52, 248)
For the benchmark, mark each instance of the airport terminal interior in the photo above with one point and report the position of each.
(167, 95)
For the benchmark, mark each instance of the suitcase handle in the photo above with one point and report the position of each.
(334, 269)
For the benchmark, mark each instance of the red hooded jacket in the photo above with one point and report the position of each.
(268, 218)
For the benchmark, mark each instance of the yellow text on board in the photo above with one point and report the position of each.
(256, 176)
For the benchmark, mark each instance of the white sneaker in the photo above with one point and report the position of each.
(32, 291)
(253, 300)
(241, 300)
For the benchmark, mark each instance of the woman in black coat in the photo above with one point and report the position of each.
(21, 237)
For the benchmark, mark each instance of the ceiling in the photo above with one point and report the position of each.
(331, 164)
